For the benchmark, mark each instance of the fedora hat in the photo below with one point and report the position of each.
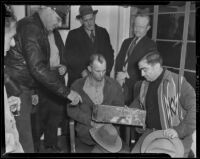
(107, 137)
(84, 10)
(156, 142)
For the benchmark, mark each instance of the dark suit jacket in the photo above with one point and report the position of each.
(79, 48)
(142, 47)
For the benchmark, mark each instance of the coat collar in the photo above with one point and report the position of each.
(39, 21)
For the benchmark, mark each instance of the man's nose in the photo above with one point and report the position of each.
(12, 42)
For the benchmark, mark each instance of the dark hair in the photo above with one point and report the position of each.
(100, 58)
(9, 16)
(153, 57)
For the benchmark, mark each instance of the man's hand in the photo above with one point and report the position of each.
(170, 133)
(96, 125)
(121, 76)
(14, 103)
(10, 142)
(35, 99)
(74, 97)
(62, 69)
(84, 73)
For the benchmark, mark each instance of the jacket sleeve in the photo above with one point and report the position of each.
(36, 63)
(76, 113)
(188, 102)
(118, 61)
(109, 54)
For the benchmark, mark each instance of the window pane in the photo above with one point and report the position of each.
(171, 53)
(173, 6)
(193, 5)
(191, 78)
(170, 26)
(192, 27)
(190, 62)
(173, 70)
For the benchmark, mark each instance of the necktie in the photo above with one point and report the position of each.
(132, 46)
(129, 52)
(92, 37)
(130, 49)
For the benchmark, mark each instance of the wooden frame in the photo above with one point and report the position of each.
(30, 9)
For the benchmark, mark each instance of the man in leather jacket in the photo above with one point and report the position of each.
(28, 64)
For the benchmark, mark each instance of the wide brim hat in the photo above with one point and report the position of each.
(156, 142)
(107, 137)
(85, 10)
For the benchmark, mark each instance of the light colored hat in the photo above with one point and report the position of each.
(107, 137)
(156, 142)
(84, 10)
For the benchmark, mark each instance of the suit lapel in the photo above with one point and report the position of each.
(138, 45)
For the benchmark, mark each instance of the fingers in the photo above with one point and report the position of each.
(170, 133)
(14, 103)
(62, 69)
(76, 100)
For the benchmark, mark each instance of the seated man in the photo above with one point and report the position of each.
(169, 101)
(96, 88)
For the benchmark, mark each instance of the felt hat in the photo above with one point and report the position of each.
(107, 137)
(84, 10)
(156, 142)
(61, 10)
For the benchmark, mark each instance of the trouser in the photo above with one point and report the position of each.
(23, 121)
(48, 117)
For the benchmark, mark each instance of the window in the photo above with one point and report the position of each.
(174, 30)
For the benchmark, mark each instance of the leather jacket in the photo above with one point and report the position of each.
(28, 62)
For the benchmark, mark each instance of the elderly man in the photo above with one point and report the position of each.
(28, 64)
(169, 100)
(131, 51)
(96, 88)
(84, 41)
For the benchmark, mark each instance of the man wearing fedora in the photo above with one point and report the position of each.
(96, 88)
(28, 63)
(84, 41)
(169, 101)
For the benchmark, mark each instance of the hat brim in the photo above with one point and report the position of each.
(159, 134)
(79, 16)
(111, 148)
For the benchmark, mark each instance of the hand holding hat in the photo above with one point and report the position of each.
(157, 142)
(170, 133)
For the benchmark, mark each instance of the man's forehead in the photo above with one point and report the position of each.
(141, 20)
(98, 64)
(143, 64)
(88, 16)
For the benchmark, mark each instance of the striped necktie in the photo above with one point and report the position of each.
(130, 49)
(92, 37)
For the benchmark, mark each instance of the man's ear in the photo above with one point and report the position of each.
(157, 66)
(148, 27)
(81, 21)
(89, 68)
